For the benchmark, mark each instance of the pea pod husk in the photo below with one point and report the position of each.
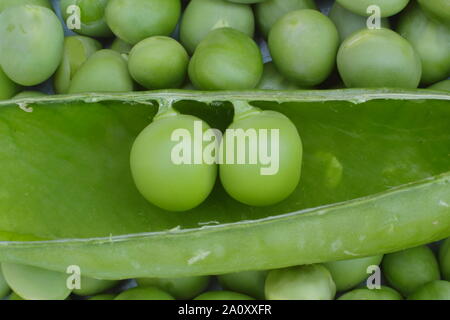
(376, 179)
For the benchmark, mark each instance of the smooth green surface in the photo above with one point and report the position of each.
(347, 274)
(308, 282)
(9, 3)
(105, 296)
(384, 293)
(180, 288)
(271, 79)
(378, 58)
(223, 295)
(226, 59)
(379, 197)
(435, 290)
(437, 9)
(133, 21)
(246, 282)
(32, 43)
(387, 7)
(444, 259)
(290, 46)
(29, 94)
(443, 85)
(4, 288)
(431, 41)
(15, 296)
(410, 269)
(91, 286)
(202, 16)
(7, 87)
(33, 283)
(158, 63)
(145, 293)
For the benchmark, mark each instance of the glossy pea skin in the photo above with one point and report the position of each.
(180, 288)
(92, 17)
(443, 86)
(272, 80)
(202, 16)
(185, 185)
(434, 290)
(444, 258)
(91, 286)
(77, 49)
(431, 41)
(303, 45)
(270, 11)
(347, 274)
(438, 10)
(410, 269)
(4, 288)
(7, 87)
(223, 295)
(245, 182)
(387, 7)
(158, 63)
(133, 21)
(144, 293)
(348, 22)
(247, 282)
(32, 283)
(29, 94)
(32, 43)
(104, 71)
(378, 58)
(384, 293)
(226, 59)
(121, 46)
(309, 282)
(9, 3)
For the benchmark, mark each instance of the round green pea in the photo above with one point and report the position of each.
(91, 286)
(133, 21)
(384, 293)
(77, 49)
(104, 71)
(202, 16)
(303, 45)
(10, 3)
(91, 17)
(443, 86)
(158, 63)
(348, 22)
(410, 269)
(181, 288)
(223, 295)
(121, 46)
(272, 80)
(378, 58)
(349, 273)
(226, 59)
(434, 290)
(144, 293)
(7, 87)
(387, 7)
(258, 182)
(29, 94)
(32, 283)
(444, 255)
(270, 11)
(157, 160)
(104, 296)
(247, 282)
(309, 282)
(31, 43)
(437, 9)
(430, 40)
(4, 288)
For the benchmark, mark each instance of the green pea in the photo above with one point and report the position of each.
(348, 22)
(92, 17)
(247, 282)
(144, 293)
(270, 11)
(105, 296)
(443, 85)
(32, 44)
(32, 283)
(259, 182)
(153, 163)
(349, 273)
(272, 80)
(180, 288)
(444, 257)
(437, 9)
(133, 21)
(104, 71)
(384, 293)
(410, 269)
(29, 94)
(77, 50)
(290, 43)
(91, 286)
(435, 290)
(378, 58)
(202, 16)
(387, 7)
(223, 295)
(158, 63)
(4, 288)
(10, 3)
(430, 40)
(309, 282)
(121, 46)
(7, 87)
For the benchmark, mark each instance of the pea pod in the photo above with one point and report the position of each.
(369, 185)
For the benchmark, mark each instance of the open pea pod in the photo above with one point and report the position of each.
(375, 179)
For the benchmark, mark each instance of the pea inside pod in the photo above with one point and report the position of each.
(387, 7)
(180, 288)
(437, 9)
(223, 295)
(92, 286)
(246, 282)
(145, 293)
(272, 80)
(7, 87)
(444, 259)
(29, 94)
(383, 293)
(434, 290)
(443, 85)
